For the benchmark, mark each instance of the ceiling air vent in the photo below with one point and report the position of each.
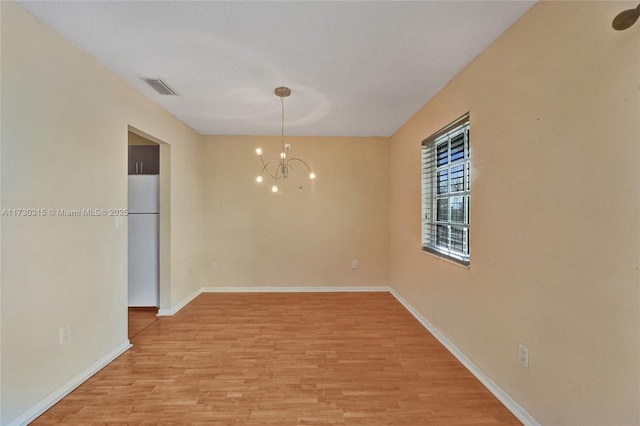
(160, 86)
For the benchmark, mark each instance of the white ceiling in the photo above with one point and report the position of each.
(355, 68)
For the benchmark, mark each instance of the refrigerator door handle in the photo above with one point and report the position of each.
(136, 168)
(141, 167)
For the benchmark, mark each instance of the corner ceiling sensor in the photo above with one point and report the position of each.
(626, 19)
(279, 169)
(160, 86)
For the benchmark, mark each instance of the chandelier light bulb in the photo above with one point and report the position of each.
(283, 155)
(274, 188)
(312, 175)
(259, 179)
(259, 151)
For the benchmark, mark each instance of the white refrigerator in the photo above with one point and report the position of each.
(144, 206)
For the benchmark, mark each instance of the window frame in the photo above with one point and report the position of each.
(434, 168)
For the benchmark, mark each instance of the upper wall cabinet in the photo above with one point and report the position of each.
(144, 159)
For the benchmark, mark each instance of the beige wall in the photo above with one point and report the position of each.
(64, 131)
(294, 238)
(555, 244)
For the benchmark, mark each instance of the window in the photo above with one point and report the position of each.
(446, 163)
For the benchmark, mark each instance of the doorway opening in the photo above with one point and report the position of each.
(148, 229)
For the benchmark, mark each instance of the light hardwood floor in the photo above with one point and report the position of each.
(284, 359)
(140, 319)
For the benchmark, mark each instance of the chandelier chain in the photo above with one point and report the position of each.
(282, 123)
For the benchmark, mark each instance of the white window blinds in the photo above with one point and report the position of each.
(446, 169)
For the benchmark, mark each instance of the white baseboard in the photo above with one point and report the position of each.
(323, 289)
(522, 415)
(50, 400)
(182, 304)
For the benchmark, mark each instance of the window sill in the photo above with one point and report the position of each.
(444, 259)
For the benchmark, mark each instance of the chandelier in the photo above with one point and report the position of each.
(280, 168)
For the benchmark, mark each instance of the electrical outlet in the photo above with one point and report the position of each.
(214, 265)
(64, 334)
(354, 264)
(523, 355)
